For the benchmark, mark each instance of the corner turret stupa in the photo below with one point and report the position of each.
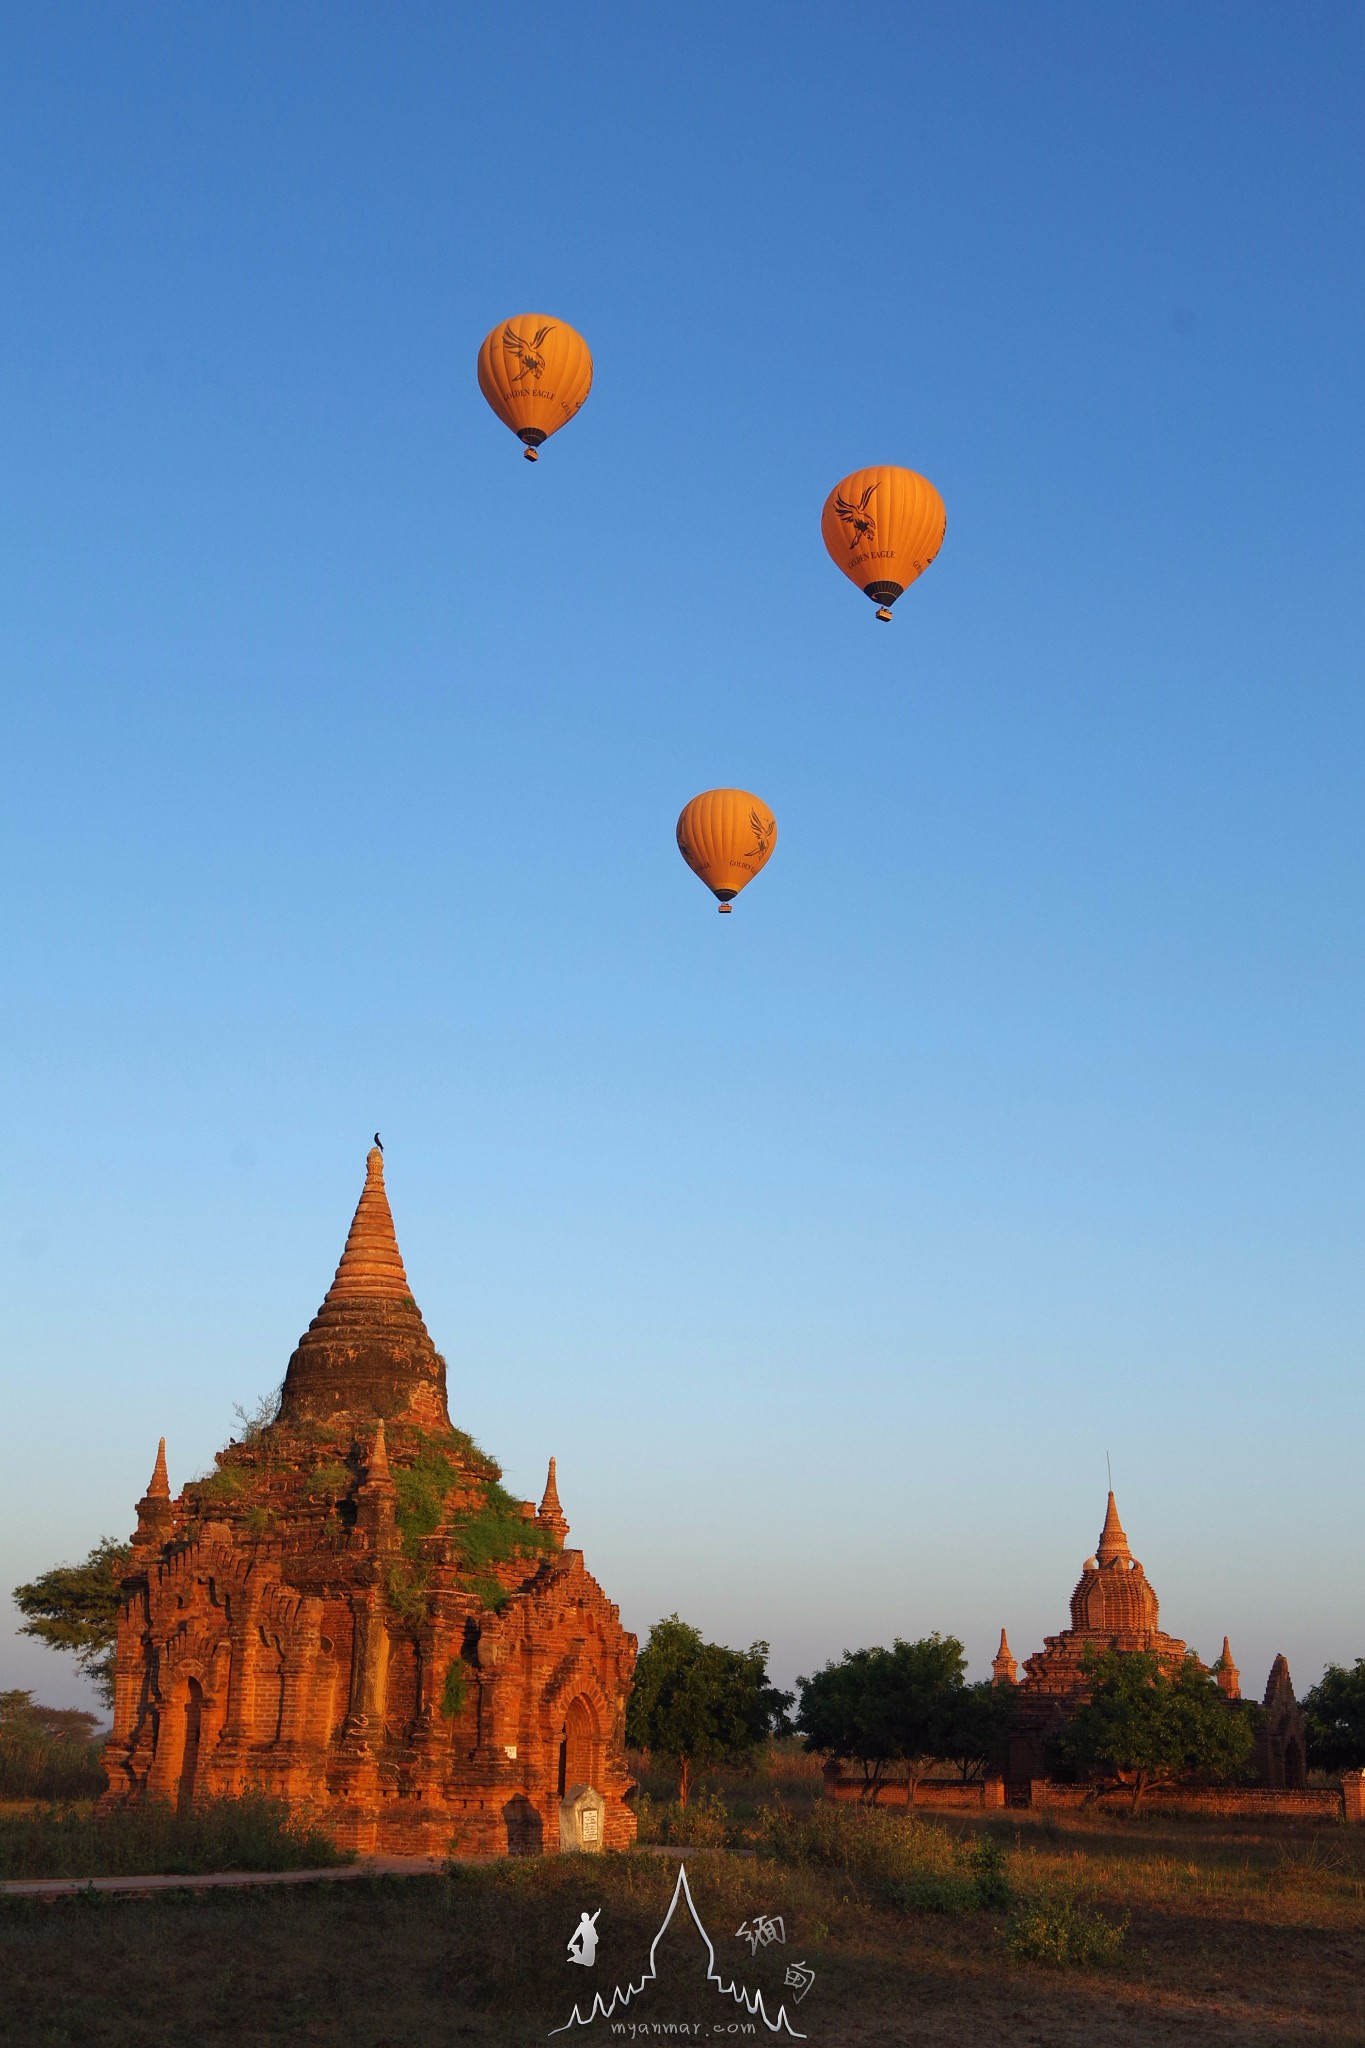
(352, 1614)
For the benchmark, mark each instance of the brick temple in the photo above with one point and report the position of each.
(352, 1614)
(1114, 1607)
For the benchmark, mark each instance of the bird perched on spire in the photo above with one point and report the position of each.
(379, 1141)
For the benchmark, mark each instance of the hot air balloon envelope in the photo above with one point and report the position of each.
(726, 836)
(883, 528)
(535, 372)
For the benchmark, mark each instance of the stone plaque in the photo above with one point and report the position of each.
(582, 1820)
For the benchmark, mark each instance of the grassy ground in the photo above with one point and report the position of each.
(42, 1840)
(1236, 1933)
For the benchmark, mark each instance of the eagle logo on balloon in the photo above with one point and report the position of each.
(857, 517)
(527, 353)
(763, 833)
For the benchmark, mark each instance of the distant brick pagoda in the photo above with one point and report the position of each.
(351, 1613)
(1114, 1607)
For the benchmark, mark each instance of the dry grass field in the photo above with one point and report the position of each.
(1235, 1934)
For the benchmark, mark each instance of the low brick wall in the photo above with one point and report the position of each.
(932, 1795)
(940, 1795)
(1323, 1802)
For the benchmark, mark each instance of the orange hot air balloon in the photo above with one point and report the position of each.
(535, 372)
(883, 528)
(726, 836)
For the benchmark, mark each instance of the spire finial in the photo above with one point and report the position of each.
(159, 1485)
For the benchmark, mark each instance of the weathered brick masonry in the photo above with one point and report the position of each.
(352, 1614)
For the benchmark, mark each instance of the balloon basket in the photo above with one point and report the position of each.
(725, 908)
(884, 614)
(532, 456)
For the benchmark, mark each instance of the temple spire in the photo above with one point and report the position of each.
(1229, 1677)
(367, 1351)
(159, 1485)
(550, 1513)
(371, 1266)
(155, 1515)
(1113, 1543)
(377, 1464)
(1003, 1666)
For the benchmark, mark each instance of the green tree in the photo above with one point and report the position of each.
(699, 1704)
(978, 1723)
(1334, 1710)
(75, 1607)
(876, 1707)
(22, 1715)
(1146, 1726)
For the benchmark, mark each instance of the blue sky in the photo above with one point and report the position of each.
(1017, 1113)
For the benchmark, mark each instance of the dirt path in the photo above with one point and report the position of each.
(370, 1866)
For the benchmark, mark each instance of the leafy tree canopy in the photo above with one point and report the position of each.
(876, 1707)
(978, 1723)
(24, 1717)
(1145, 1725)
(75, 1607)
(700, 1704)
(1335, 1713)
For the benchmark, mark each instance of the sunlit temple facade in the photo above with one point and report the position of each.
(350, 1612)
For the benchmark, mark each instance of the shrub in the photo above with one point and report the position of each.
(249, 1833)
(333, 1477)
(1057, 1930)
(47, 1752)
(911, 1864)
(704, 1823)
(497, 1530)
(223, 1485)
(406, 1587)
(38, 1767)
(990, 1867)
(422, 1488)
(454, 1689)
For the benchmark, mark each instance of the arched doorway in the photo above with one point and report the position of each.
(189, 1756)
(577, 1746)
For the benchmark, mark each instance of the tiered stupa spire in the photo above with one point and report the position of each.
(159, 1485)
(1113, 1596)
(377, 1464)
(550, 1513)
(1229, 1677)
(154, 1512)
(367, 1350)
(371, 1267)
(1113, 1543)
